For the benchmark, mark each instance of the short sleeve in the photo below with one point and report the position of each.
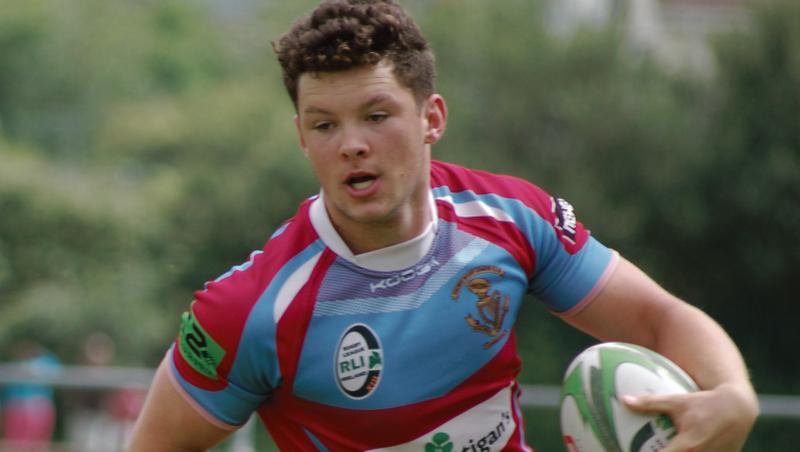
(571, 265)
(565, 265)
(211, 360)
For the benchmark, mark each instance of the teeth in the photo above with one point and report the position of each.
(361, 185)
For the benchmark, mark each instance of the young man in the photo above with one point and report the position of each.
(381, 315)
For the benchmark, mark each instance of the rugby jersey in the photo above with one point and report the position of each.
(409, 348)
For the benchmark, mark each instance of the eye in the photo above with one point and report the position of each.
(322, 126)
(377, 117)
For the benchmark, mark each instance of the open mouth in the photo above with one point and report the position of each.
(361, 182)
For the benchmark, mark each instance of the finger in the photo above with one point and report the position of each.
(680, 443)
(650, 403)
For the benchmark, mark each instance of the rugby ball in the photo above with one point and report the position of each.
(593, 417)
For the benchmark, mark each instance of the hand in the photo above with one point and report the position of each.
(716, 420)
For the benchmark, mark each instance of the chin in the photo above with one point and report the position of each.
(372, 211)
(370, 214)
(370, 217)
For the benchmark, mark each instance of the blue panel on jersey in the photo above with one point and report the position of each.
(527, 220)
(255, 370)
(561, 280)
(256, 362)
(233, 405)
(427, 346)
(535, 228)
(569, 282)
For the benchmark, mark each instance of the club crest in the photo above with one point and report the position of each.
(492, 305)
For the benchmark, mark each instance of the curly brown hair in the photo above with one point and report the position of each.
(344, 34)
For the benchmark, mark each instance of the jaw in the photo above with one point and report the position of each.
(377, 222)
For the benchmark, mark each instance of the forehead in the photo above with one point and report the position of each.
(327, 89)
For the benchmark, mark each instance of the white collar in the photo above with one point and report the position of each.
(391, 258)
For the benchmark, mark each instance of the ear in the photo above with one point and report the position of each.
(300, 135)
(435, 118)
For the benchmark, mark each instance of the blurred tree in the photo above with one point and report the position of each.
(583, 118)
(173, 166)
(681, 175)
(146, 147)
(70, 242)
(744, 255)
(158, 150)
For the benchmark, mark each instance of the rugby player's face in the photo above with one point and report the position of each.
(369, 143)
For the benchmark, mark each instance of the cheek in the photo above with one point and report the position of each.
(320, 162)
(409, 143)
(319, 150)
(322, 167)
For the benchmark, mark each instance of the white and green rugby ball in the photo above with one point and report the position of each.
(593, 417)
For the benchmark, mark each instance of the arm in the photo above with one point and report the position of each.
(633, 308)
(169, 423)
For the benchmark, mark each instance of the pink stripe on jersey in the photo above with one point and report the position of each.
(293, 325)
(601, 284)
(190, 400)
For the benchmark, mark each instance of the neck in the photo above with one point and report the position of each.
(409, 222)
(376, 236)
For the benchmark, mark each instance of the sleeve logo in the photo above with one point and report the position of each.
(198, 348)
(565, 221)
(568, 230)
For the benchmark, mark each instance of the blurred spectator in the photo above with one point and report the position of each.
(124, 406)
(29, 413)
(102, 421)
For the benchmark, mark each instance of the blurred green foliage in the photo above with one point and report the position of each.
(146, 147)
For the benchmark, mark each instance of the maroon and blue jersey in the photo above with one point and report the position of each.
(407, 348)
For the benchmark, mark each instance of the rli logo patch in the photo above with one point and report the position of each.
(359, 361)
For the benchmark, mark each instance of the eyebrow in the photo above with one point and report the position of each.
(377, 99)
(313, 109)
(372, 101)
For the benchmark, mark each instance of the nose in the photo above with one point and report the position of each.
(354, 143)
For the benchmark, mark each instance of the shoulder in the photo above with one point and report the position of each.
(449, 178)
(236, 291)
(234, 315)
(509, 199)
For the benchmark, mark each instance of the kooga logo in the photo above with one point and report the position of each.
(404, 276)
